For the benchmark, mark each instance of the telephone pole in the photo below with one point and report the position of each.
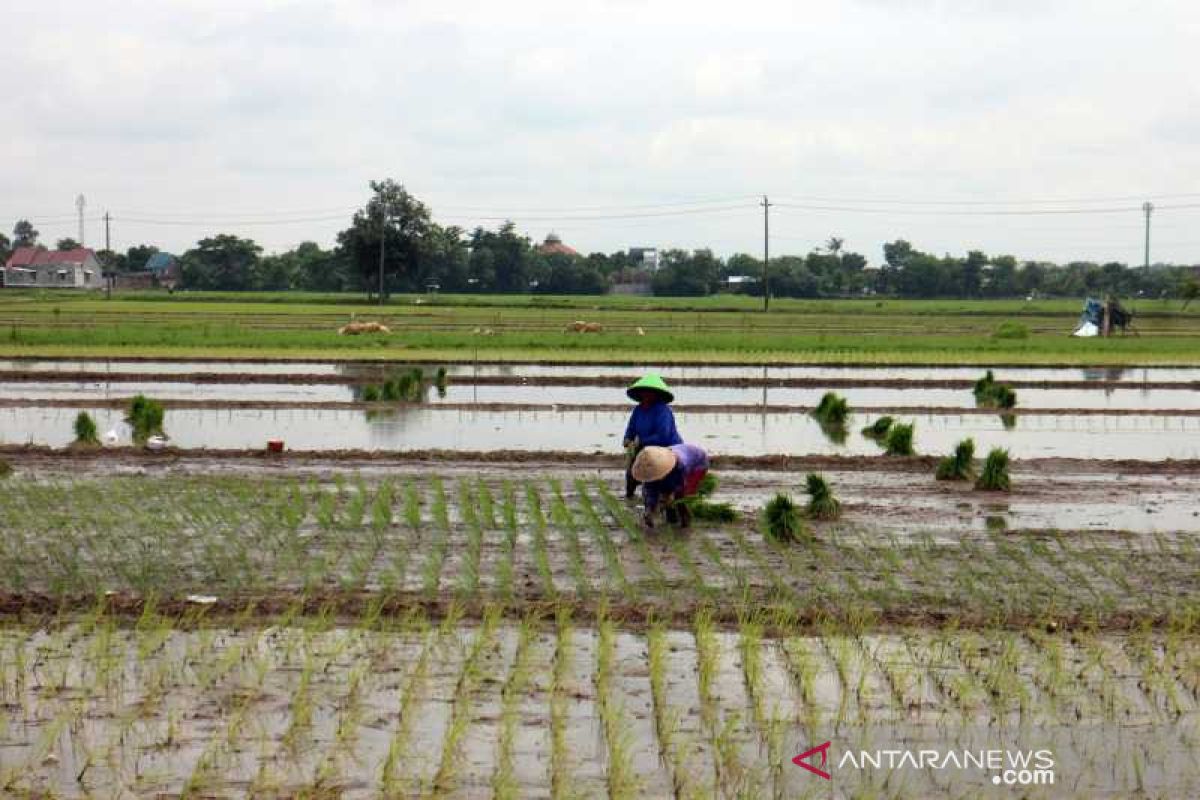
(766, 206)
(382, 240)
(1148, 207)
(107, 232)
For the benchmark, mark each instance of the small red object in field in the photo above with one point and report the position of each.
(275, 446)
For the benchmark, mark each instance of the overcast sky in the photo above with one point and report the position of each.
(616, 124)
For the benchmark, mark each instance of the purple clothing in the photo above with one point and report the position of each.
(653, 426)
(688, 459)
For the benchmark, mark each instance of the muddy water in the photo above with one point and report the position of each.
(876, 397)
(1083, 374)
(275, 710)
(417, 428)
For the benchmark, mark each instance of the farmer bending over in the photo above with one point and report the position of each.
(650, 425)
(670, 474)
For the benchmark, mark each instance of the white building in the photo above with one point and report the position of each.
(29, 267)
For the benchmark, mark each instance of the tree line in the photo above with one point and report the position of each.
(417, 255)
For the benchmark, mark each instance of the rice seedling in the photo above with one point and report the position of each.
(959, 466)
(781, 517)
(441, 380)
(445, 780)
(541, 556)
(560, 749)
(821, 502)
(371, 394)
(832, 409)
(879, 428)
(899, 441)
(562, 517)
(86, 434)
(412, 695)
(621, 775)
(994, 477)
(504, 781)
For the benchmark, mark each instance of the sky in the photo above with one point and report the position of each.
(1029, 127)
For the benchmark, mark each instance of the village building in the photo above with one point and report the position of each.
(33, 268)
(553, 246)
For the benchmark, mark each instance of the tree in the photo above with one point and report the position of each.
(67, 244)
(834, 245)
(222, 262)
(500, 261)
(137, 256)
(1189, 290)
(402, 224)
(5, 248)
(972, 273)
(24, 234)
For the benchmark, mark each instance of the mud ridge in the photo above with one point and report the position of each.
(351, 606)
(33, 455)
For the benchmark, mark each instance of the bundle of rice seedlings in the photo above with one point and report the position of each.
(984, 384)
(1009, 421)
(370, 394)
(145, 416)
(994, 395)
(1003, 396)
(708, 485)
(834, 431)
(85, 430)
(833, 409)
(711, 512)
(440, 380)
(899, 440)
(821, 502)
(961, 465)
(879, 428)
(994, 477)
(782, 517)
(390, 391)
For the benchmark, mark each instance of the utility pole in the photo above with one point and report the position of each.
(80, 203)
(107, 233)
(382, 240)
(766, 206)
(1148, 207)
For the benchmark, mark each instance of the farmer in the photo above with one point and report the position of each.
(651, 424)
(670, 474)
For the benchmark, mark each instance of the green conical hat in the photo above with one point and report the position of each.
(653, 381)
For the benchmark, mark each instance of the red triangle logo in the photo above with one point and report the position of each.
(823, 749)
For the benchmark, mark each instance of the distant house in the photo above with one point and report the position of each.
(29, 267)
(161, 271)
(554, 246)
(644, 258)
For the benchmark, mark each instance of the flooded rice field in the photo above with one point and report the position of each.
(423, 427)
(527, 710)
(1122, 399)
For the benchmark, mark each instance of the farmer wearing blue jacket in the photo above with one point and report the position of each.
(651, 424)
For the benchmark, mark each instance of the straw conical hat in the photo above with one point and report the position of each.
(653, 464)
(652, 381)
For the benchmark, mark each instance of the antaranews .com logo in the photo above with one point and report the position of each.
(1008, 767)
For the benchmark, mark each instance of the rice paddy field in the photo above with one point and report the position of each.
(446, 594)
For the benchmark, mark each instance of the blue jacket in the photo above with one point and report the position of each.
(653, 426)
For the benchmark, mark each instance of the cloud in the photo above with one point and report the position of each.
(207, 110)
